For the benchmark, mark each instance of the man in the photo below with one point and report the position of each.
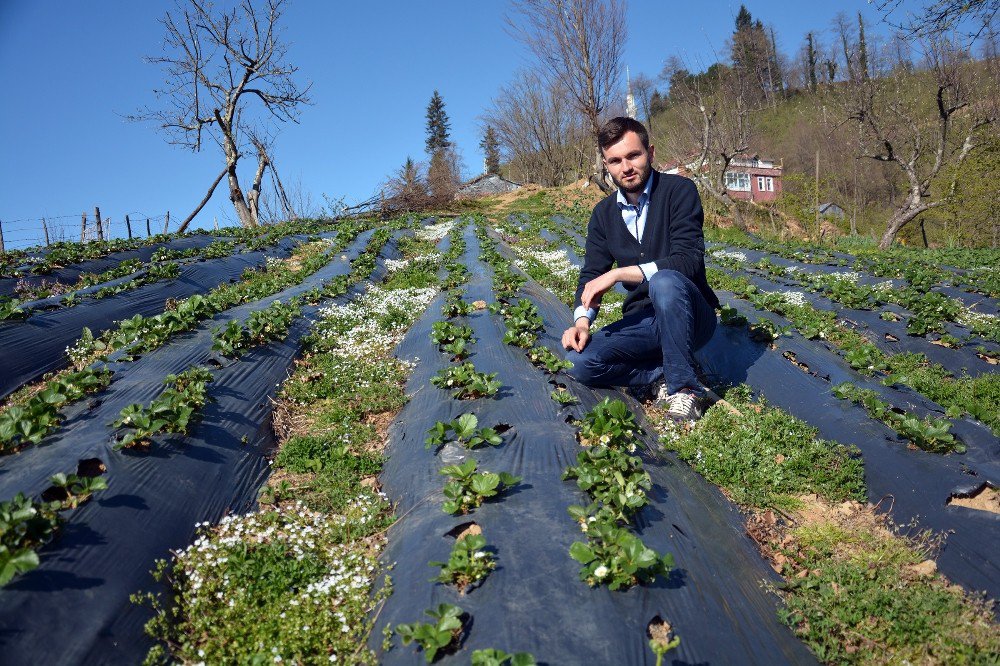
(651, 232)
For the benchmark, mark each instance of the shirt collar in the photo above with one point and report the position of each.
(643, 198)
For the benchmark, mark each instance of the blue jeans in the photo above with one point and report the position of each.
(652, 344)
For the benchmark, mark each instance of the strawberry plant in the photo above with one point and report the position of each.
(523, 324)
(9, 308)
(544, 358)
(730, 317)
(467, 489)
(929, 434)
(614, 480)
(25, 525)
(171, 411)
(462, 430)
(609, 423)
(70, 490)
(454, 306)
(617, 558)
(39, 415)
(466, 382)
(443, 633)
(261, 327)
(493, 657)
(445, 332)
(467, 564)
(564, 397)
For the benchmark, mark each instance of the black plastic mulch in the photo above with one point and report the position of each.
(40, 340)
(76, 603)
(69, 274)
(535, 601)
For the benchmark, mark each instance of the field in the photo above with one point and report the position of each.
(355, 442)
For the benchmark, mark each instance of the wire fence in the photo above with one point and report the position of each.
(30, 232)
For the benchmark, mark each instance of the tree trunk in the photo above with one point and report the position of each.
(899, 219)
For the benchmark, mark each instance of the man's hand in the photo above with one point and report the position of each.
(594, 290)
(577, 336)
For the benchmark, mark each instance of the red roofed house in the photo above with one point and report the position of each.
(747, 178)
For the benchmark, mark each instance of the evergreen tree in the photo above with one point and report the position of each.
(491, 150)
(862, 50)
(743, 19)
(811, 61)
(437, 125)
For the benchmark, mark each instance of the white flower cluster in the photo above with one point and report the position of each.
(847, 276)
(977, 320)
(305, 533)
(273, 262)
(885, 285)
(355, 326)
(555, 260)
(393, 265)
(794, 270)
(793, 297)
(435, 232)
(730, 254)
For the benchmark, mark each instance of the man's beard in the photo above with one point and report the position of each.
(638, 187)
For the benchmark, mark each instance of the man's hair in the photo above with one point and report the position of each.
(615, 129)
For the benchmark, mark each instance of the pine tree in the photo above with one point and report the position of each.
(437, 125)
(862, 49)
(811, 59)
(491, 150)
(743, 19)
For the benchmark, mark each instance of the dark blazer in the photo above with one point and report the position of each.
(672, 237)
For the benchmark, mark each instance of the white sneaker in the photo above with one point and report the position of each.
(681, 406)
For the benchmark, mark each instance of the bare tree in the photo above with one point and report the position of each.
(579, 43)
(220, 66)
(972, 18)
(643, 87)
(541, 137)
(716, 121)
(897, 128)
(406, 189)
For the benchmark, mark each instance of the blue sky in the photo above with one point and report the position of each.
(72, 70)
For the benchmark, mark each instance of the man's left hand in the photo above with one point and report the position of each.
(594, 290)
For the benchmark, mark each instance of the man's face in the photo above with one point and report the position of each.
(629, 163)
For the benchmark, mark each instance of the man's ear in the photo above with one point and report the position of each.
(652, 153)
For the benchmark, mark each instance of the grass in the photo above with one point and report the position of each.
(856, 590)
(766, 457)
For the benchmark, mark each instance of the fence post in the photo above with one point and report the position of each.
(128, 226)
(45, 228)
(97, 219)
(1, 237)
(83, 228)
(147, 228)
(166, 223)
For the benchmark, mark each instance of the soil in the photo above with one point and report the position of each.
(986, 498)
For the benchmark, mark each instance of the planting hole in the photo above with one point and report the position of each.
(983, 498)
(790, 355)
(464, 530)
(659, 630)
(91, 467)
(501, 428)
(570, 419)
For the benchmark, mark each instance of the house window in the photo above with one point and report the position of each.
(738, 181)
(765, 184)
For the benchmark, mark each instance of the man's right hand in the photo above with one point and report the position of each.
(577, 336)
